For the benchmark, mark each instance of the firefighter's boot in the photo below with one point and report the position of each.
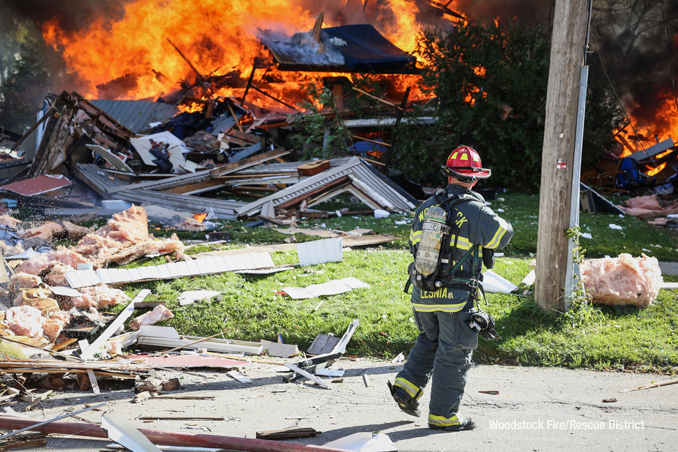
(453, 424)
(405, 402)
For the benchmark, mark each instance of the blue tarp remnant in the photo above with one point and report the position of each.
(348, 48)
(367, 50)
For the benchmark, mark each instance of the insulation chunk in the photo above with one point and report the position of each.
(100, 296)
(158, 314)
(123, 239)
(7, 220)
(622, 280)
(23, 281)
(54, 325)
(647, 207)
(46, 231)
(25, 321)
(75, 232)
(38, 263)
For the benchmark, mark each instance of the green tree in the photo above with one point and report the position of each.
(29, 69)
(490, 84)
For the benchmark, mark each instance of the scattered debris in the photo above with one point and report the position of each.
(333, 287)
(364, 442)
(192, 296)
(622, 280)
(289, 433)
(650, 386)
(158, 314)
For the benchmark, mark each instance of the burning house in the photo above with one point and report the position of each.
(203, 87)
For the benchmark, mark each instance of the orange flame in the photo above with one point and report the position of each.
(200, 217)
(656, 170)
(646, 132)
(217, 38)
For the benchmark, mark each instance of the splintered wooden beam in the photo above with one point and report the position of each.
(185, 59)
(383, 101)
(308, 375)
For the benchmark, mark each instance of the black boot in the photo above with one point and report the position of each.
(464, 424)
(405, 402)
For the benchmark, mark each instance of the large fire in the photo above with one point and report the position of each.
(648, 131)
(157, 44)
(217, 38)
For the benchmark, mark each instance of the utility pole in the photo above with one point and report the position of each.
(567, 56)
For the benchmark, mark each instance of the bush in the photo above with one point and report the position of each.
(490, 83)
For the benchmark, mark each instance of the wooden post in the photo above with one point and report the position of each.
(567, 56)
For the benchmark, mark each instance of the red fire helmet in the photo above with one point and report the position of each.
(464, 165)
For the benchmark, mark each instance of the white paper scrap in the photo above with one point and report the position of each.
(333, 287)
(30, 252)
(586, 235)
(364, 442)
(528, 280)
(65, 291)
(615, 226)
(492, 282)
(195, 295)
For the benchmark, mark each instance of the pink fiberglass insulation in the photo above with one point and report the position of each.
(100, 296)
(7, 220)
(145, 248)
(56, 322)
(55, 274)
(46, 231)
(75, 232)
(123, 239)
(647, 207)
(113, 348)
(25, 321)
(38, 263)
(644, 202)
(158, 314)
(622, 280)
(23, 281)
(9, 250)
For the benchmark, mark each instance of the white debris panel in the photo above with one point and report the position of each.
(623, 280)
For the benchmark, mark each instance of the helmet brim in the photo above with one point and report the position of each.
(466, 174)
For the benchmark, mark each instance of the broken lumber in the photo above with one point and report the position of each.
(289, 433)
(650, 386)
(308, 375)
(162, 437)
(113, 327)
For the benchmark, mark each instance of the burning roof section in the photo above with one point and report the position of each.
(348, 48)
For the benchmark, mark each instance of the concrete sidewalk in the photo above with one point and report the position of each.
(537, 409)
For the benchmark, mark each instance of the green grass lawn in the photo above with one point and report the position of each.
(252, 307)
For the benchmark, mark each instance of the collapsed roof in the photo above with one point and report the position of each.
(348, 48)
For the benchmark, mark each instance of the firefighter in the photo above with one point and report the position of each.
(445, 314)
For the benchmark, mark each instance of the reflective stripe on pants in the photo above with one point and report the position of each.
(443, 352)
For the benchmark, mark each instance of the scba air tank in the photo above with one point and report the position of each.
(432, 236)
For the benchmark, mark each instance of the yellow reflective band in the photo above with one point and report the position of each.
(503, 227)
(411, 388)
(443, 421)
(415, 237)
(462, 243)
(464, 157)
(438, 307)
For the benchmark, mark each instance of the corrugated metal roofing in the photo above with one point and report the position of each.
(137, 115)
(371, 188)
(99, 182)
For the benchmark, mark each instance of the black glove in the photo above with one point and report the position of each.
(483, 323)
